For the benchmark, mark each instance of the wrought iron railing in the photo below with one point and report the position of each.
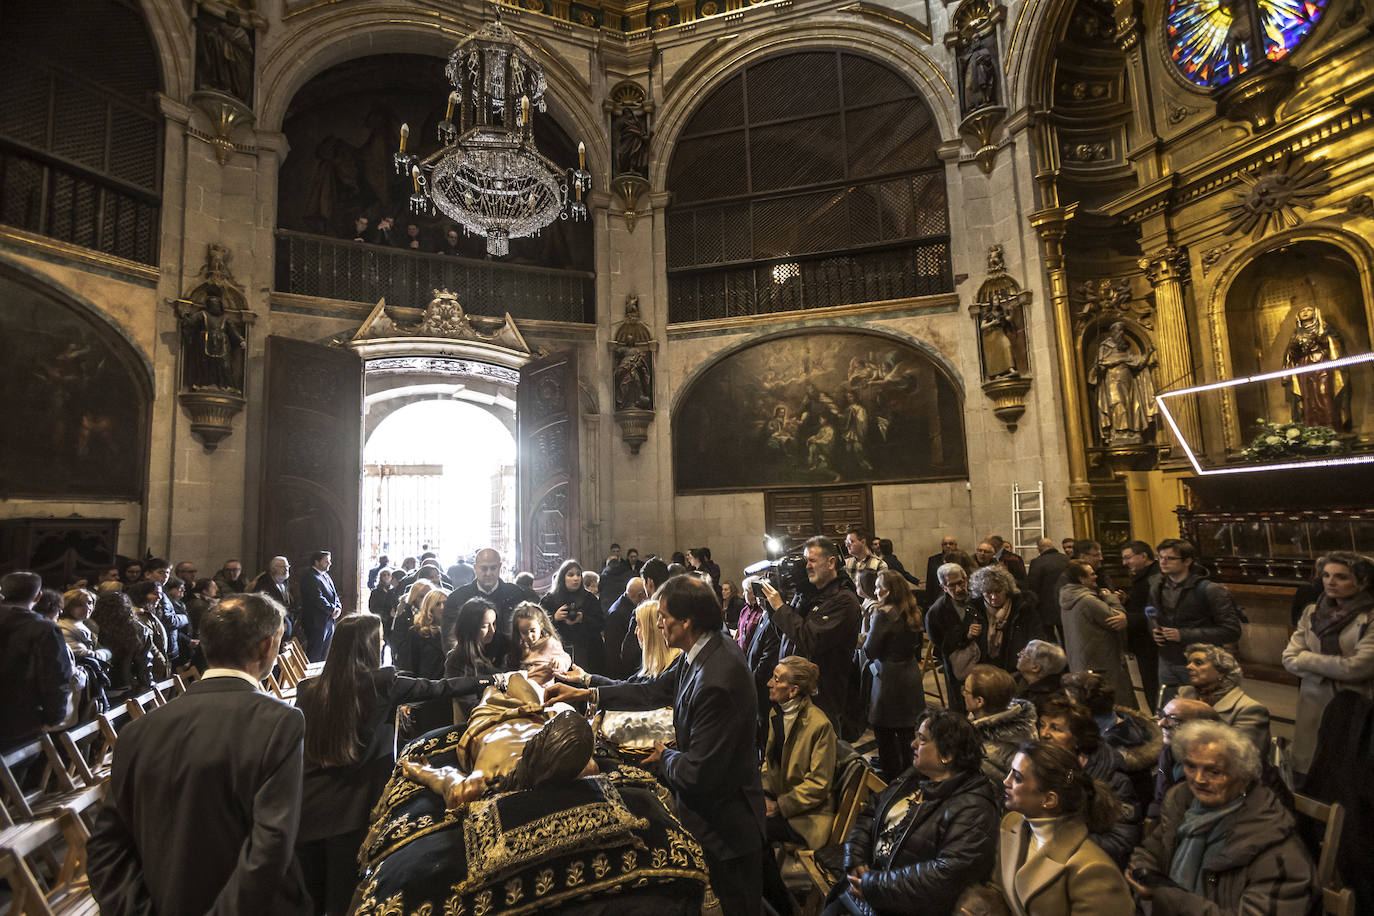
(810, 281)
(313, 265)
(42, 194)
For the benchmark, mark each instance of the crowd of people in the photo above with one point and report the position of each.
(1032, 781)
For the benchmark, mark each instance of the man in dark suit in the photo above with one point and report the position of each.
(320, 606)
(35, 664)
(205, 792)
(714, 771)
(275, 583)
(504, 596)
(949, 544)
(1043, 579)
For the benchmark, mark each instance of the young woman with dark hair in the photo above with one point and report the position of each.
(130, 644)
(577, 616)
(349, 714)
(1052, 807)
(893, 648)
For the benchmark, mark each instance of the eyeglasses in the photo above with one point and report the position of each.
(1168, 721)
(1165, 557)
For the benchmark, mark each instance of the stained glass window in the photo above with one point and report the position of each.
(1208, 38)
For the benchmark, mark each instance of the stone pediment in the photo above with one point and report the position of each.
(443, 319)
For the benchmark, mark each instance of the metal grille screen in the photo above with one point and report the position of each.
(807, 180)
(80, 158)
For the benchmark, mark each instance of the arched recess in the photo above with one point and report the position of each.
(1253, 305)
(80, 392)
(818, 405)
(806, 179)
(332, 37)
(168, 25)
(702, 77)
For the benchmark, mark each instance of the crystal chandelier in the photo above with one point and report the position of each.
(488, 176)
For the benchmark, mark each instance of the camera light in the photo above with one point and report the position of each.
(772, 545)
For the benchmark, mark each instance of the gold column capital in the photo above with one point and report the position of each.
(1052, 222)
(1169, 264)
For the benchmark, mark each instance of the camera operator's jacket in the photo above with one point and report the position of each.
(823, 628)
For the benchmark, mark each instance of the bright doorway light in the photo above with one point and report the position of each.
(439, 473)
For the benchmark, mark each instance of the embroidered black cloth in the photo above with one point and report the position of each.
(599, 843)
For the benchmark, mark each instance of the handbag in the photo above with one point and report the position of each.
(962, 660)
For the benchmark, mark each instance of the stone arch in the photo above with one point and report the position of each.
(328, 39)
(827, 34)
(1030, 59)
(170, 28)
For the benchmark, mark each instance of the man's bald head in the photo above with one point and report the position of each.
(487, 565)
(1179, 710)
(635, 589)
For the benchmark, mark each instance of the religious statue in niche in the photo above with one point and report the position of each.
(1126, 410)
(224, 49)
(999, 312)
(213, 320)
(978, 74)
(1320, 397)
(632, 375)
(633, 372)
(630, 107)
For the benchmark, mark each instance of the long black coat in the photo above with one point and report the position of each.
(1043, 579)
(950, 844)
(714, 770)
(948, 631)
(824, 629)
(893, 649)
(584, 640)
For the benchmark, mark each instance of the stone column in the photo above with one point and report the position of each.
(1051, 224)
(1168, 272)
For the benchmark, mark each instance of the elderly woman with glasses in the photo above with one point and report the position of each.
(1225, 843)
(1214, 677)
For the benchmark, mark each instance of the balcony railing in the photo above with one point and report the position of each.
(312, 265)
(810, 281)
(43, 194)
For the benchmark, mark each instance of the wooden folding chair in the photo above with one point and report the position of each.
(68, 892)
(140, 705)
(930, 663)
(862, 784)
(83, 750)
(1336, 900)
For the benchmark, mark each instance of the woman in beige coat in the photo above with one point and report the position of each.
(1333, 646)
(1046, 865)
(799, 760)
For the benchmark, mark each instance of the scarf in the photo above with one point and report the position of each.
(997, 623)
(1329, 618)
(1201, 836)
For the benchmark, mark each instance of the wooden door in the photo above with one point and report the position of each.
(796, 515)
(311, 475)
(546, 464)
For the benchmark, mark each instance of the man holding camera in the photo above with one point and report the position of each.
(821, 624)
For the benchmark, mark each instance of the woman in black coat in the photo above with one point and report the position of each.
(349, 752)
(897, 697)
(420, 653)
(1013, 618)
(577, 616)
(921, 860)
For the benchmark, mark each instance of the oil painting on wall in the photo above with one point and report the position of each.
(817, 407)
(76, 413)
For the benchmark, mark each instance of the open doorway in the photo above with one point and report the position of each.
(438, 475)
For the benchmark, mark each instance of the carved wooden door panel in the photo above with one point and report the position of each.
(311, 462)
(546, 419)
(831, 511)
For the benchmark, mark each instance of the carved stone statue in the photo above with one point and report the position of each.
(224, 54)
(997, 327)
(211, 342)
(979, 77)
(1321, 397)
(1126, 408)
(632, 135)
(633, 374)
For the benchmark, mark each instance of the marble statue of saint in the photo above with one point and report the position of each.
(632, 137)
(634, 379)
(1320, 397)
(209, 339)
(1126, 407)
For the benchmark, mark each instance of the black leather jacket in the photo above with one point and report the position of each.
(950, 844)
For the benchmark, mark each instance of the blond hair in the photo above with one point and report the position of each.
(429, 618)
(654, 654)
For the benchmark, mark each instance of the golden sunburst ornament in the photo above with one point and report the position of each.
(1273, 195)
